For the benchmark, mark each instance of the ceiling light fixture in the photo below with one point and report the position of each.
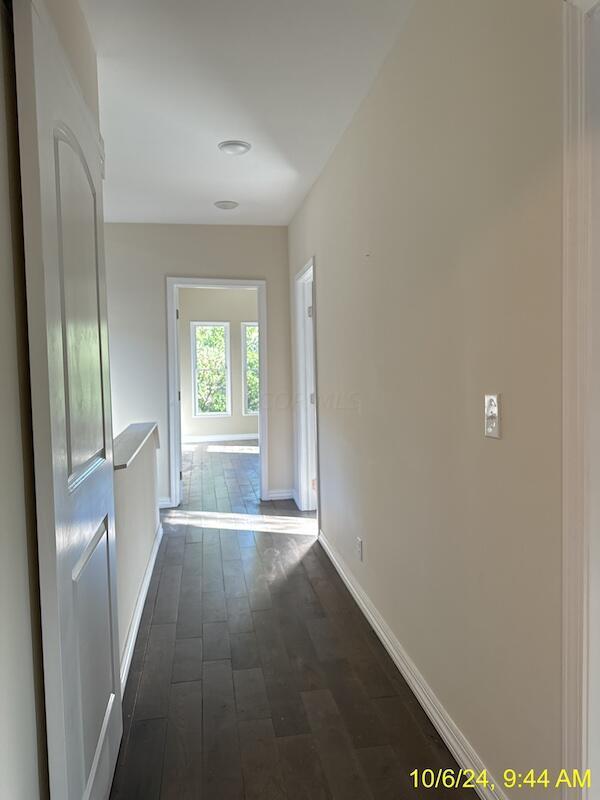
(226, 205)
(234, 147)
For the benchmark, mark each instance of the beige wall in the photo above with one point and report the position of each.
(436, 227)
(215, 305)
(139, 258)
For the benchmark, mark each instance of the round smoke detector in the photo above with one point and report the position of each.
(226, 205)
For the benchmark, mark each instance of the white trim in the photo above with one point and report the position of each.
(138, 610)
(280, 494)
(173, 284)
(243, 353)
(194, 324)
(166, 502)
(296, 497)
(216, 437)
(303, 416)
(577, 370)
(455, 740)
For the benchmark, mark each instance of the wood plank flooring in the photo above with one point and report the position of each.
(225, 477)
(256, 676)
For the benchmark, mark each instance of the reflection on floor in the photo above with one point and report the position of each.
(256, 676)
(225, 477)
(279, 522)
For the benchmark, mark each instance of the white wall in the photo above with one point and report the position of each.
(215, 305)
(139, 257)
(137, 521)
(436, 227)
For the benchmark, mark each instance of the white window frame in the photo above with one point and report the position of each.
(194, 324)
(243, 327)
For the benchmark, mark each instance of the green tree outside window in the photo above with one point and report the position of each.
(252, 371)
(211, 369)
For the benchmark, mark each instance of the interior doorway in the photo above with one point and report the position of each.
(307, 482)
(218, 425)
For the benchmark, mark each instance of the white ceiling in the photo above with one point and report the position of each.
(178, 76)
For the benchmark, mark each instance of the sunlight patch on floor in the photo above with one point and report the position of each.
(232, 448)
(269, 523)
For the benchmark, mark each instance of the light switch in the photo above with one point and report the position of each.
(492, 416)
(359, 548)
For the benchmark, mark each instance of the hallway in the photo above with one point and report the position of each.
(255, 675)
(262, 257)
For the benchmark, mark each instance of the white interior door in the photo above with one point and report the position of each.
(61, 161)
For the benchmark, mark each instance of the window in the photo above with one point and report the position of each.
(211, 379)
(250, 368)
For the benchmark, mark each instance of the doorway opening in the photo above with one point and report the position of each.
(218, 425)
(307, 481)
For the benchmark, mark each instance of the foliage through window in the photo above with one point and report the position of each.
(251, 372)
(211, 384)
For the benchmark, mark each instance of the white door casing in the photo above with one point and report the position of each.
(306, 391)
(581, 382)
(311, 387)
(173, 284)
(61, 167)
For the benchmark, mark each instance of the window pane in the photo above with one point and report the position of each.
(252, 369)
(211, 369)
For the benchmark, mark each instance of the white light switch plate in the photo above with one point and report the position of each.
(359, 548)
(491, 412)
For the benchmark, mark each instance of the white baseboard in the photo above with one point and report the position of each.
(165, 502)
(279, 494)
(455, 740)
(137, 613)
(225, 437)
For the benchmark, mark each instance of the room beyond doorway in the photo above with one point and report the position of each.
(224, 478)
(218, 419)
(217, 368)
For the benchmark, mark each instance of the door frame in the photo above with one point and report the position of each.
(581, 456)
(303, 425)
(174, 284)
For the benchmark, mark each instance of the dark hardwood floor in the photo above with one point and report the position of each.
(225, 477)
(256, 676)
